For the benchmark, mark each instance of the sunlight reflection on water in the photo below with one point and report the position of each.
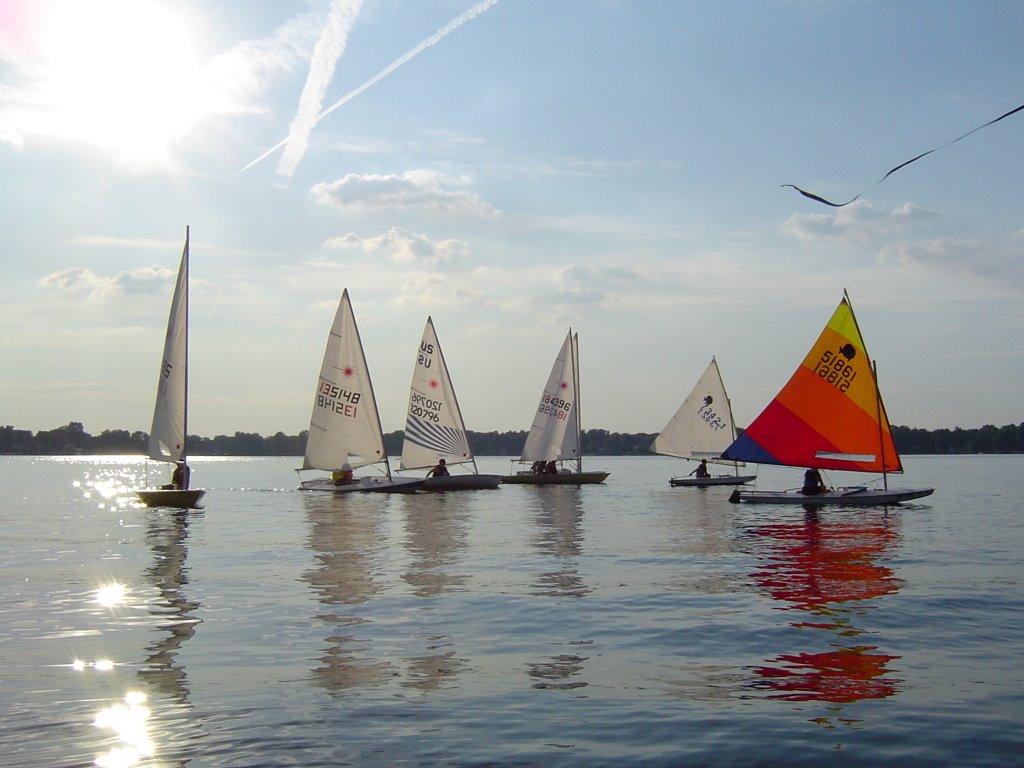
(130, 723)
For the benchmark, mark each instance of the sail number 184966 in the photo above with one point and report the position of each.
(555, 406)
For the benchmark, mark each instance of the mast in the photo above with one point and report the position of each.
(369, 384)
(184, 435)
(575, 351)
(878, 413)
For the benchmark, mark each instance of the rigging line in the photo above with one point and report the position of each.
(904, 164)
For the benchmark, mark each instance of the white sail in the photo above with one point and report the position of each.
(344, 430)
(434, 428)
(167, 435)
(703, 426)
(555, 433)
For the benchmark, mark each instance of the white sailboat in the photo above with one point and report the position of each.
(435, 432)
(554, 437)
(170, 414)
(700, 430)
(345, 431)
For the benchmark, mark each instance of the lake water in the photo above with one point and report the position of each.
(628, 624)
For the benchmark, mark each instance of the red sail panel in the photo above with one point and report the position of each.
(839, 424)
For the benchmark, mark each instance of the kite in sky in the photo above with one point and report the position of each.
(820, 199)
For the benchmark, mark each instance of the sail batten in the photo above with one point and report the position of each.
(829, 415)
(856, 457)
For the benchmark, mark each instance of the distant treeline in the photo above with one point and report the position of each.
(73, 439)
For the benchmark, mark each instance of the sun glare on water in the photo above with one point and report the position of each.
(111, 595)
(120, 74)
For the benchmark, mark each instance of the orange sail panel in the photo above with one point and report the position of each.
(829, 415)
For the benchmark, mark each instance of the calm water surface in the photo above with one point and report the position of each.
(629, 624)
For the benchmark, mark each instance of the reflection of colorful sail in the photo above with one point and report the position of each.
(842, 676)
(818, 565)
(830, 414)
(817, 568)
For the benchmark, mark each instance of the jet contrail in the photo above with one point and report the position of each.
(446, 30)
(328, 50)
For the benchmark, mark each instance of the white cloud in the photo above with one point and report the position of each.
(431, 290)
(83, 281)
(977, 257)
(418, 189)
(858, 222)
(404, 247)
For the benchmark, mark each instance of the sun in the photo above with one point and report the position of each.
(119, 74)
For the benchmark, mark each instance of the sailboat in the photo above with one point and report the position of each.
(554, 437)
(170, 414)
(345, 431)
(434, 428)
(701, 429)
(828, 416)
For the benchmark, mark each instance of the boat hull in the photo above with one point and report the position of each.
(704, 482)
(461, 483)
(171, 497)
(858, 496)
(365, 485)
(562, 478)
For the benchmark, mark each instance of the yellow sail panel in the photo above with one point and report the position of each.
(839, 359)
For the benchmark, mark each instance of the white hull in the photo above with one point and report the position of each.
(171, 497)
(562, 478)
(461, 483)
(858, 496)
(704, 482)
(365, 485)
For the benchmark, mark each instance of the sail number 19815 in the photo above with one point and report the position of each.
(834, 368)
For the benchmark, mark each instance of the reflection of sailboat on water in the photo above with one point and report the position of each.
(559, 519)
(170, 414)
(435, 537)
(829, 415)
(436, 531)
(701, 429)
(558, 516)
(167, 535)
(347, 541)
(828, 570)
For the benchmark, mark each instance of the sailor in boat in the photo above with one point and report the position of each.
(342, 476)
(180, 477)
(441, 470)
(702, 469)
(813, 484)
(550, 468)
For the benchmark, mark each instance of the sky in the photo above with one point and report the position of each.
(511, 168)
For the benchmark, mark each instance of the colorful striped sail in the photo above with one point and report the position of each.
(830, 413)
